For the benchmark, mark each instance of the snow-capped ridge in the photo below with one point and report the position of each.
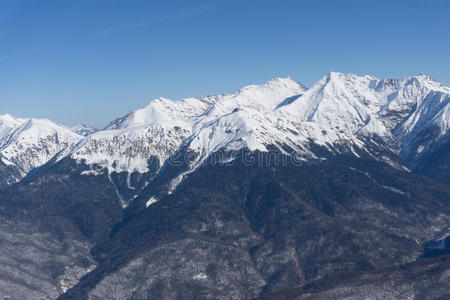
(340, 111)
(7, 124)
(163, 125)
(339, 107)
(83, 129)
(32, 142)
(8, 119)
(166, 111)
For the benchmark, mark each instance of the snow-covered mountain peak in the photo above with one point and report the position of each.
(185, 112)
(30, 143)
(339, 102)
(424, 76)
(339, 107)
(286, 83)
(349, 77)
(8, 119)
(8, 124)
(166, 112)
(44, 124)
(32, 132)
(396, 110)
(268, 95)
(33, 129)
(163, 125)
(429, 83)
(341, 112)
(83, 130)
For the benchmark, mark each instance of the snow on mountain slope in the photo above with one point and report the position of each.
(29, 143)
(7, 125)
(166, 112)
(155, 131)
(128, 150)
(83, 130)
(338, 103)
(340, 111)
(239, 120)
(396, 110)
(159, 129)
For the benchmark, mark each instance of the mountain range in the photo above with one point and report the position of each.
(274, 191)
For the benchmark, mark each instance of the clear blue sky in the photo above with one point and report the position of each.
(89, 62)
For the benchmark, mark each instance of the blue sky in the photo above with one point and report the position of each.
(92, 61)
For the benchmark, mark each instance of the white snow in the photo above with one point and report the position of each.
(29, 143)
(339, 112)
(340, 109)
(91, 172)
(151, 201)
(7, 125)
(209, 123)
(200, 276)
(83, 130)
(393, 189)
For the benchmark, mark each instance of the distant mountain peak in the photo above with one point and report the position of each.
(29, 143)
(7, 118)
(340, 111)
(83, 130)
(347, 107)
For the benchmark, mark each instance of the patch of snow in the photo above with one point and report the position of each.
(83, 130)
(200, 276)
(92, 172)
(6, 162)
(393, 189)
(151, 201)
